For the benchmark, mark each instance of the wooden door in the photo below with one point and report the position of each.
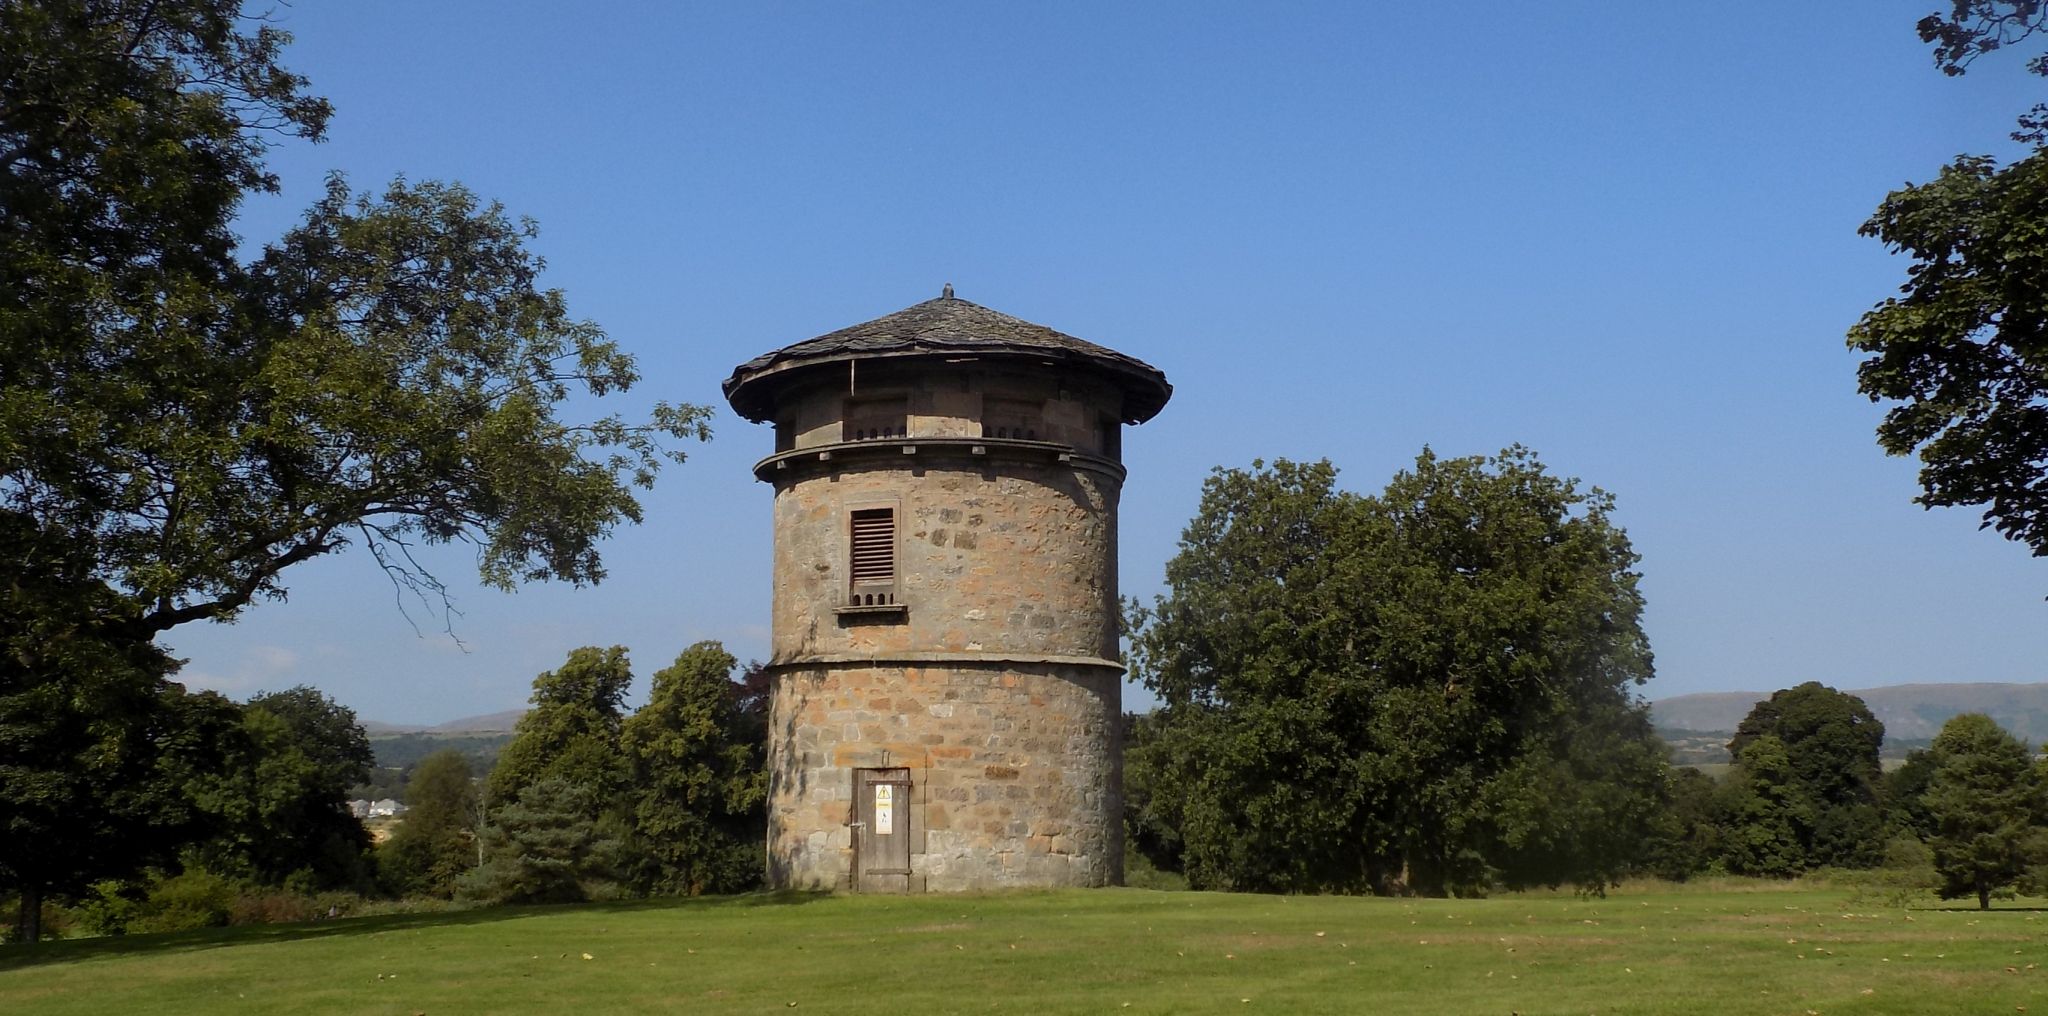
(881, 831)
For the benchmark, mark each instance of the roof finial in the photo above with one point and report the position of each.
(947, 293)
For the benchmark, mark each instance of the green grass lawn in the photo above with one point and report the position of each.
(1727, 949)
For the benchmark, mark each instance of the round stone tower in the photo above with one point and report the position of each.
(946, 692)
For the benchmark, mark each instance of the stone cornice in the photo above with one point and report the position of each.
(912, 452)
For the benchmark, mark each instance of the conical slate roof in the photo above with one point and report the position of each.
(947, 327)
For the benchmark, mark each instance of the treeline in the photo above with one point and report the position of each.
(399, 755)
(199, 811)
(1966, 817)
(586, 802)
(147, 807)
(1429, 691)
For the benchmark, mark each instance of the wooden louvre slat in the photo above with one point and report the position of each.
(874, 546)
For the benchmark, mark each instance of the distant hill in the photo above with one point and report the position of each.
(488, 723)
(1909, 712)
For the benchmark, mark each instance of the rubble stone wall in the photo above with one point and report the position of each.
(1001, 558)
(1014, 771)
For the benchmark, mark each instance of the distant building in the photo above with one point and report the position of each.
(946, 687)
(385, 808)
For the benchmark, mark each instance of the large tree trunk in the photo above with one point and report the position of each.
(1983, 896)
(28, 925)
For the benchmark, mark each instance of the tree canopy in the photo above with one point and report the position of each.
(1830, 742)
(95, 750)
(1962, 349)
(1429, 689)
(698, 783)
(387, 373)
(1965, 348)
(572, 731)
(282, 800)
(1988, 808)
(182, 422)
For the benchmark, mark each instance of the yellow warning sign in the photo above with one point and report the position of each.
(885, 809)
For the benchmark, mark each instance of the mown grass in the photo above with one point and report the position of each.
(1724, 948)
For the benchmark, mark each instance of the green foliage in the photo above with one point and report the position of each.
(1907, 873)
(1988, 806)
(1961, 348)
(1428, 689)
(1151, 822)
(545, 848)
(572, 731)
(325, 732)
(192, 898)
(307, 751)
(1830, 741)
(437, 842)
(178, 428)
(96, 755)
(672, 797)
(403, 751)
(1764, 810)
(1686, 837)
(698, 785)
(387, 372)
(1905, 792)
(279, 801)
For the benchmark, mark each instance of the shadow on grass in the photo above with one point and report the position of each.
(1974, 909)
(15, 957)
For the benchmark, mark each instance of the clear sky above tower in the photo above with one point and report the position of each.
(1622, 234)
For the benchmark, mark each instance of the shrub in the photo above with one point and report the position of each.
(193, 898)
(110, 905)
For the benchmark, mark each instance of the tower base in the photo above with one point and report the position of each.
(945, 776)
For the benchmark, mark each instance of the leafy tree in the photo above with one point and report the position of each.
(1973, 28)
(1687, 836)
(1151, 825)
(572, 731)
(326, 732)
(1905, 793)
(262, 803)
(95, 755)
(1764, 812)
(698, 784)
(179, 427)
(1962, 349)
(545, 848)
(437, 842)
(386, 373)
(310, 751)
(1425, 690)
(1988, 806)
(1831, 741)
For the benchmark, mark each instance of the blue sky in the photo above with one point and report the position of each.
(1623, 234)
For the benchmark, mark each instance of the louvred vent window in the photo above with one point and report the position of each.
(874, 557)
